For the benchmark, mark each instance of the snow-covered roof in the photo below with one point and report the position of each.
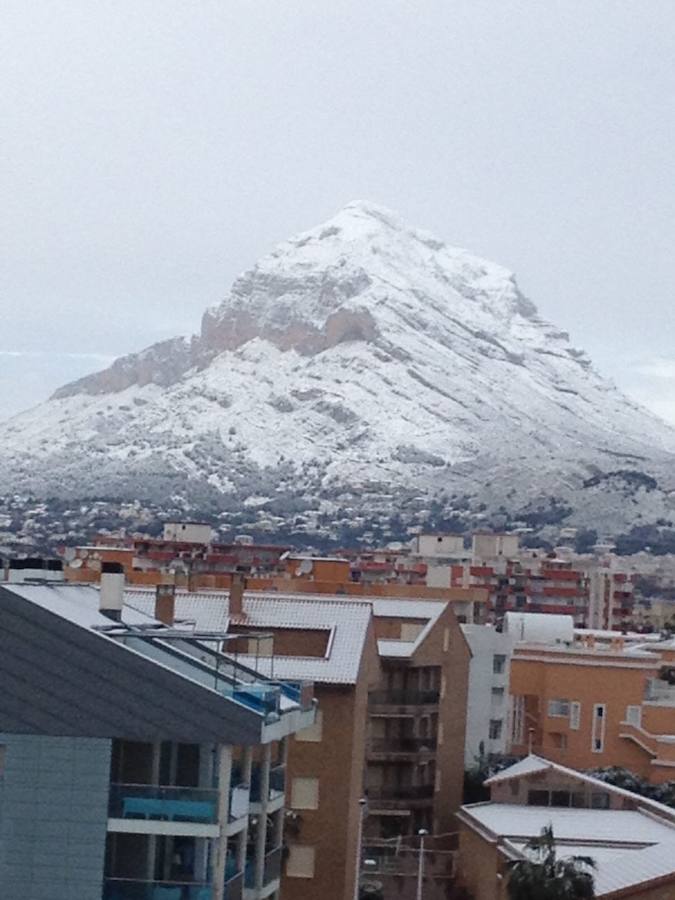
(532, 764)
(407, 608)
(396, 648)
(345, 621)
(629, 847)
(78, 603)
(527, 766)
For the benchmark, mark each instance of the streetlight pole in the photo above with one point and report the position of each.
(363, 811)
(420, 864)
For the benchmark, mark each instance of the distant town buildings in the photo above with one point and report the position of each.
(391, 670)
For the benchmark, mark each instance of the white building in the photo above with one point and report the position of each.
(488, 698)
(188, 532)
(439, 546)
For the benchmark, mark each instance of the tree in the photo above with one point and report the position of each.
(542, 876)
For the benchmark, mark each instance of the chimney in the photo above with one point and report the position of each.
(165, 603)
(111, 597)
(237, 588)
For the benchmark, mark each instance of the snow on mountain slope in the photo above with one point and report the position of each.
(360, 365)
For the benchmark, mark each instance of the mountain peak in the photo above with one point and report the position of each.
(359, 368)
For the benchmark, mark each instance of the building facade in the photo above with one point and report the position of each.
(138, 760)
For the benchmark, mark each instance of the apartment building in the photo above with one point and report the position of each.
(488, 701)
(137, 760)
(631, 839)
(202, 566)
(596, 593)
(391, 679)
(331, 642)
(417, 719)
(586, 701)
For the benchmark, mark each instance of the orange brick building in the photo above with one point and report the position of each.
(591, 704)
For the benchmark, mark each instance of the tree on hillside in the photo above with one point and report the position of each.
(542, 876)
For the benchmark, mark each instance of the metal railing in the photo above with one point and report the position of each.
(409, 792)
(166, 804)
(130, 889)
(272, 868)
(402, 745)
(277, 783)
(403, 698)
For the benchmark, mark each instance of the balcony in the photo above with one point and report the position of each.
(403, 748)
(234, 886)
(271, 869)
(277, 784)
(405, 797)
(404, 700)
(163, 804)
(129, 889)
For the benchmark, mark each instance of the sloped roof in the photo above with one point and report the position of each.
(629, 847)
(527, 766)
(346, 621)
(63, 675)
(533, 763)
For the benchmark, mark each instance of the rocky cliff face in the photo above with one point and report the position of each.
(359, 372)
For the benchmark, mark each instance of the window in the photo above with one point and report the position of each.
(497, 696)
(559, 708)
(598, 728)
(560, 798)
(305, 793)
(314, 733)
(446, 640)
(537, 798)
(498, 663)
(575, 715)
(600, 801)
(495, 729)
(300, 862)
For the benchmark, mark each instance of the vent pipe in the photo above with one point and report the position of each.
(111, 597)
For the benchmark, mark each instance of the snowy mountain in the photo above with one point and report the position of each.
(360, 372)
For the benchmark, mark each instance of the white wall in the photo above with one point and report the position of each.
(192, 532)
(482, 704)
(440, 545)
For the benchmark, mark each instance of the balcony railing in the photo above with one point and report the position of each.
(277, 783)
(240, 797)
(403, 698)
(402, 745)
(271, 868)
(167, 804)
(409, 792)
(128, 889)
(234, 886)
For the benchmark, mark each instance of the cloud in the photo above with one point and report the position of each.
(658, 367)
(40, 354)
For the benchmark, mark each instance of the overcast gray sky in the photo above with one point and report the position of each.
(152, 149)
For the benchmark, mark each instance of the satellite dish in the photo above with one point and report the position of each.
(76, 564)
(305, 567)
(69, 554)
